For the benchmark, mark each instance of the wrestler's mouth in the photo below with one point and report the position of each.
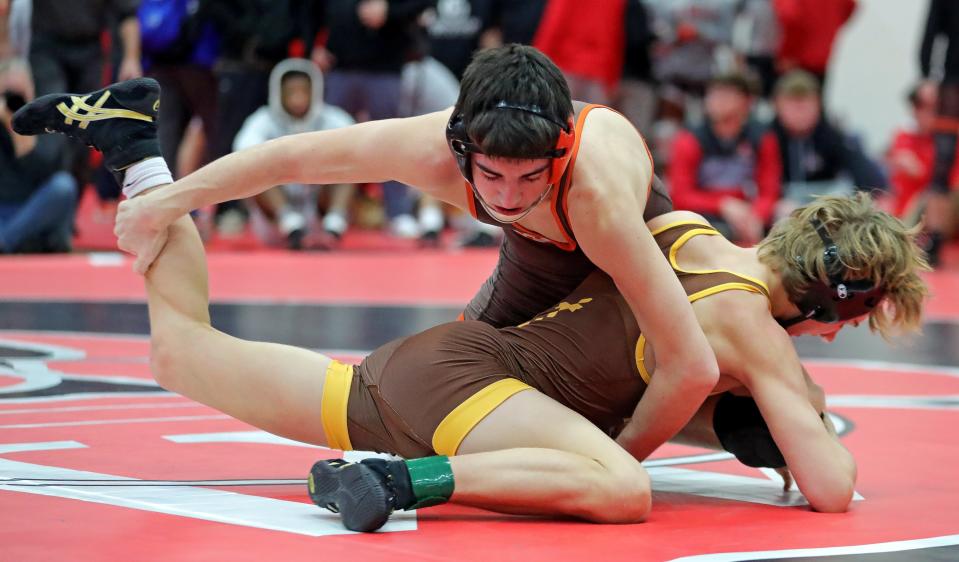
(508, 211)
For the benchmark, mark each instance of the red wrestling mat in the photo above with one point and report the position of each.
(188, 483)
(432, 277)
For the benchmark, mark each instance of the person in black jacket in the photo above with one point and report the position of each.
(37, 199)
(369, 42)
(817, 157)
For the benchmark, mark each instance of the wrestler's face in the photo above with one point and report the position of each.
(509, 186)
(827, 331)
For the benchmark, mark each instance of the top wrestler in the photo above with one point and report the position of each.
(570, 183)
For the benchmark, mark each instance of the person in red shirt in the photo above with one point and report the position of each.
(590, 53)
(912, 152)
(728, 169)
(808, 29)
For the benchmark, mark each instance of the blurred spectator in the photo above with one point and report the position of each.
(180, 46)
(296, 106)
(636, 96)
(255, 35)
(369, 42)
(66, 53)
(513, 21)
(912, 153)
(6, 51)
(455, 29)
(37, 202)
(809, 28)
(727, 168)
(817, 157)
(942, 24)
(590, 53)
(694, 38)
(19, 27)
(756, 38)
(427, 86)
(693, 44)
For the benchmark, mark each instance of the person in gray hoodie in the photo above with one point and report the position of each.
(296, 106)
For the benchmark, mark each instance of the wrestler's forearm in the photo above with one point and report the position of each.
(660, 415)
(324, 157)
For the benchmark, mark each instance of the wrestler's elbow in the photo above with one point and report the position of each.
(694, 372)
(832, 499)
(833, 493)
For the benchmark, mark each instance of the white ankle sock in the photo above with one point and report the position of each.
(145, 174)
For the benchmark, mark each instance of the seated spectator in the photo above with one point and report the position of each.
(817, 157)
(912, 152)
(296, 106)
(727, 168)
(37, 199)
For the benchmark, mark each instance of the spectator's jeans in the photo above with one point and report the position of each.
(44, 221)
(377, 93)
(59, 67)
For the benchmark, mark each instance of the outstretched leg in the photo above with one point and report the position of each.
(275, 387)
(278, 388)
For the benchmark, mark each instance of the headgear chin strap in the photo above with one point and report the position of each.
(463, 148)
(839, 300)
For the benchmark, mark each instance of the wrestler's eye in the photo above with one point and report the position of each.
(488, 177)
(532, 179)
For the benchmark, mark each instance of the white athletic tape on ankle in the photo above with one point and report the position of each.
(144, 175)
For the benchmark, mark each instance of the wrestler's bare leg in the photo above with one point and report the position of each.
(277, 388)
(531, 455)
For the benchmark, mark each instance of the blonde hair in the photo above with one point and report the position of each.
(872, 245)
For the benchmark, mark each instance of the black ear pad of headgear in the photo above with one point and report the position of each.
(839, 299)
(460, 145)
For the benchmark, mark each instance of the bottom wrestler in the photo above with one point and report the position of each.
(520, 418)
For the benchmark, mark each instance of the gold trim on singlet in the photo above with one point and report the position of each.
(707, 230)
(333, 409)
(732, 286)
(458, 423)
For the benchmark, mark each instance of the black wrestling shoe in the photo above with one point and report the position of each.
(361, 495)
(119, 120)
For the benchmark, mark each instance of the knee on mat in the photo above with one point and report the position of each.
(625, 497)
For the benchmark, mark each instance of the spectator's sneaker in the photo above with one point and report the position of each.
(361, 495)
(404, 226)
(335, 225)
(119, 120)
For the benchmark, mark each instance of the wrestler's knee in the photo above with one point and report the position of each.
(624, 497)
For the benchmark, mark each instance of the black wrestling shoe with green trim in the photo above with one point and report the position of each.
(119, 120)
(361, 495)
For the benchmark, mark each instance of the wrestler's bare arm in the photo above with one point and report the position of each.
(409, 150)
(765, 360)
(606, 212)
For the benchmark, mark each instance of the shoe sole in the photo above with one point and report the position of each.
(355, 490)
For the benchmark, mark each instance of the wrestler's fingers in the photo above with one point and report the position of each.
(786, 476)
(145, 259)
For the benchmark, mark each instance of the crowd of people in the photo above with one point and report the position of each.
(727, 93)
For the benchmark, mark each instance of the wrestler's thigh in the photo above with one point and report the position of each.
(275, 387)
(530, 419)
